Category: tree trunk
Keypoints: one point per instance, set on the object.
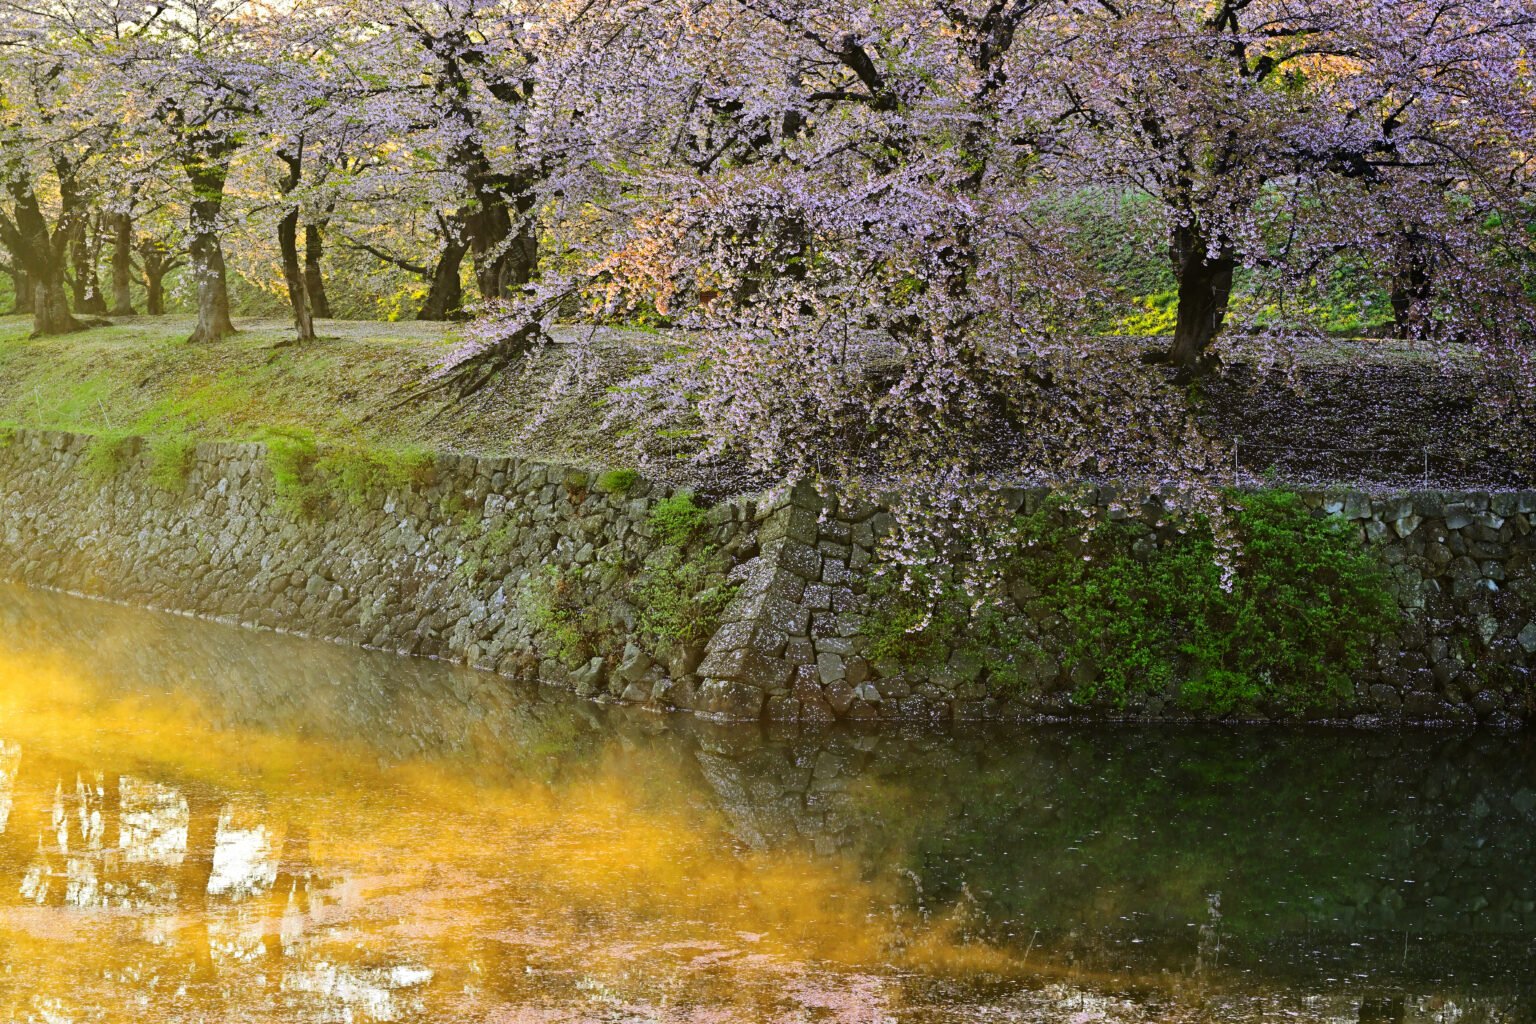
(288, 244)
(157, 261)
(122, 264)
(293, 275)
(1412, 287)
(1205, 285)
(505, 244)
(154, 285)
(41, 255)
(314, 278)
(213, 322)
(85, 247)
(207, 253)
(50, 308)
(206, 164)
(445, 293)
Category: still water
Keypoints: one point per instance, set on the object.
(203, 824)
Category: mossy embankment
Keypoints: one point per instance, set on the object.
(1373, 414)
(351, 389)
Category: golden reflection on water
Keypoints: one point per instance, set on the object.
(198, 824)
(159, 867)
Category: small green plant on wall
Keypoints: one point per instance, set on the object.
(682, 590)
(106, 455)
(170, 460)
(675, 519)
(555, 603)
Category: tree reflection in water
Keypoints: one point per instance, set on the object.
(205, 824)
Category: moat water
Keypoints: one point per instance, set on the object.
(199, 823)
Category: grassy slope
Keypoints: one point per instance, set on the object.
(141, 377)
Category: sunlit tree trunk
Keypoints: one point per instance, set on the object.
(122, 264)
(206, 250)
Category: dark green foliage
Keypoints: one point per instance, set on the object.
(680, 599)
(1139, 618)
(1295, 620)
(907, 630)
(676, 518)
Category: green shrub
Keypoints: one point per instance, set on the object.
(170, 460)
(680, 599)
(1292, 624)
(617, 481)
(555, 605)
(676, 519)
(105, 456)
(363, 473)
(291, 457)
(912, 630)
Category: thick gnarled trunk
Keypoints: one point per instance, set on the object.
(505, 242)
(41, 253)
(445, 289)
(50, 308)
(1205, 287)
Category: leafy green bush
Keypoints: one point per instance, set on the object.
(680, 599)
(1292, 624)
(555, 605)
(676, 519)
(170, 460)
(908, 630)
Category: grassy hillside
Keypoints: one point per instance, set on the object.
(141, 377)
(1355, 411)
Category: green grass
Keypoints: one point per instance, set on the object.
(336, 410)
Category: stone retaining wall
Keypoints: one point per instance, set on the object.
(444, 568)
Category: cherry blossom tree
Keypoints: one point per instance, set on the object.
(1256, 124)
